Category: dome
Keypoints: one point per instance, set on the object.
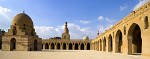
(86, 38)
(22, 19)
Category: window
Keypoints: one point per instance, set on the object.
(24, 25)
(14, 30)
(64, 37)
(24, 28)
(146, 22)
(124, 30)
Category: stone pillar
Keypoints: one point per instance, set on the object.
(94, 45)
(85, 46)
(55, 47)
(43, 46)
(129, 47)
(67, 46)
(102, 45)
(61, 46)
(107, 45)
(79, 46)
(114, 44)
(49, 46)
(98, 46)
(73, 46)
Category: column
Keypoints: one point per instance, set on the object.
(79, 46)
(55, 48)
(61, 46)
(85, 46)
(67, 46)
(43, 46)
(49, 46)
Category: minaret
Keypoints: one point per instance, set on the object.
(98, 33)
(66, 35)
(66, 28)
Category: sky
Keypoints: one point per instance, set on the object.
(84, 17)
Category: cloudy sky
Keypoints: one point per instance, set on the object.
(84, 17)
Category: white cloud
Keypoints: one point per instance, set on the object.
(76, 31)
(4, 12)
(84, 21)
(100, 18)
(47, 31)
(5, 18)
(141, 2)
(102, 28)
(123, 7)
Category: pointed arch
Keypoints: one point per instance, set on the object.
(58, 46)
(64, 46)
(52, 46)
(110, 44)
(88, 46)
(134, 39)
(82, 46)
(70, 46)
(46, 46)
(76, 46)
(35, 45)
(118, 42)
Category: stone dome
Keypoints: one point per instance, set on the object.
(86, 38)
(22, 19)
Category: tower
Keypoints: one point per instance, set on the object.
(98, 33)
(66, 35)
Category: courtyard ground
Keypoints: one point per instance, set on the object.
(65, 54)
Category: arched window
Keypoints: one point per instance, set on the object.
(124, 30)
(14, 30)
(146, 22)
(64, 37)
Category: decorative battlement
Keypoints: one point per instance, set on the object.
(131, 16)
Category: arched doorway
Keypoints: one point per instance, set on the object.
(88, 46)
(70, 46)
(42, 46)
(35, 45)
(100, 45)
(52, 45)
(64, 46)
(82, 46)
(118, 42)
(110, 45)
(12, 44)
(58, 46)
(134, 39)
(76, 46)
(46, 46)
(104, 44)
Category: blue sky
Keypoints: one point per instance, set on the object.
(85, 17)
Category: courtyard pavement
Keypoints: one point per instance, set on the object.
(65, 54)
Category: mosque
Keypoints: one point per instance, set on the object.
(129, 36)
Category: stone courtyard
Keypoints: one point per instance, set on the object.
(65, 54)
